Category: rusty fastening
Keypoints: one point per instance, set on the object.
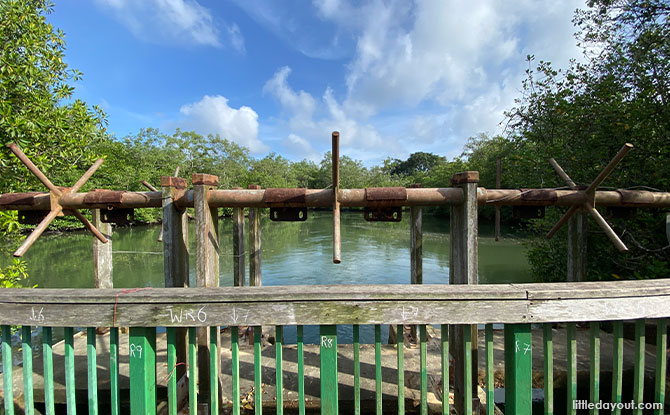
(286, 204)
(544, 196)
(32, 217)
(383, 195)
(383, 214)
(635, 197)
(104, 196)
(117, 216)
(528, 212)
(285, 196)
(288, 214)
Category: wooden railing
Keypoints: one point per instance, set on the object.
(454, 307)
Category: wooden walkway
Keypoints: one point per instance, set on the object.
(312, 378)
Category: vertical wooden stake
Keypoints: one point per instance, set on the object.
(463, 270)
(175, 255)
(102, 253)
(337, 245)
(206, 270)
(415, 250)
(577, 236)
(255, 275)
(498, 184)
(238, 245)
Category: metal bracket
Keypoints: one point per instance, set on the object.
(118, 216)
(528, 212)
(383, 214)
(590, 192)
(288, 214)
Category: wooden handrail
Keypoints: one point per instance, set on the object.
(338, 304)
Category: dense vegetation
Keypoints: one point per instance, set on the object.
(580, 115)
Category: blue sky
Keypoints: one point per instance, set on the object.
(394, 77)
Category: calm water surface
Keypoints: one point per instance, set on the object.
(294, 253)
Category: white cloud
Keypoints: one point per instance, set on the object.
(213, 115)
(300, 148)
(181, 21)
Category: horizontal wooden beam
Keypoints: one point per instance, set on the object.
(381, 304)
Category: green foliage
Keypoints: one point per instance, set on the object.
(13, 276)
(35, 91)
(583, 115)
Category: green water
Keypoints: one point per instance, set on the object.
(293, 253)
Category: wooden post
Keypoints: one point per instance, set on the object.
(328, 374)
(206, 270)
(255, 275)
(142, 356)
(463, 270)
(102, 253)
(175, 255)
(498, 184)
(577, 236)
(416, 249)
(337, 245)
(238, 245)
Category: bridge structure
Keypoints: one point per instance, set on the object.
(194, 316)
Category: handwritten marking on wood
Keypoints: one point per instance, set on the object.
(524, 347)
(409, 312)
(39, 316)
(326, 342)
(135, 350)
(240, 314)
(178, 317)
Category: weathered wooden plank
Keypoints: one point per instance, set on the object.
(255, 271)
(206, 271)
(102, 253)
(463, 270)
(577, 247)
(141, 314)
(416, 245)
(175, 240)
(238, 247)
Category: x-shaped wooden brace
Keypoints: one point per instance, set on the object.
(590, 203)
(55, 193)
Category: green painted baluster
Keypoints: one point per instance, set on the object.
(617, 364)
(301, 373)
(518, 369)
(357, 371)
(27, 370)
(638, 372)
(548, 369)
(192, 371)
(172, 370)
(213, 370)
(445, 368)
(424, 370)
(7, 381)
(47, 357)
(490, 401)
(114, 370)
(467, 369)
(235, 350)
(328, 352)
(142, 356)
(400, 350)
(572, 368)
(595, 365)
(92, 367)
(258, 385)
(378, 368)
(70, 387)
(661, 361)
(279, 385)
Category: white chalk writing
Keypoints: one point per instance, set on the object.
(326, 342)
